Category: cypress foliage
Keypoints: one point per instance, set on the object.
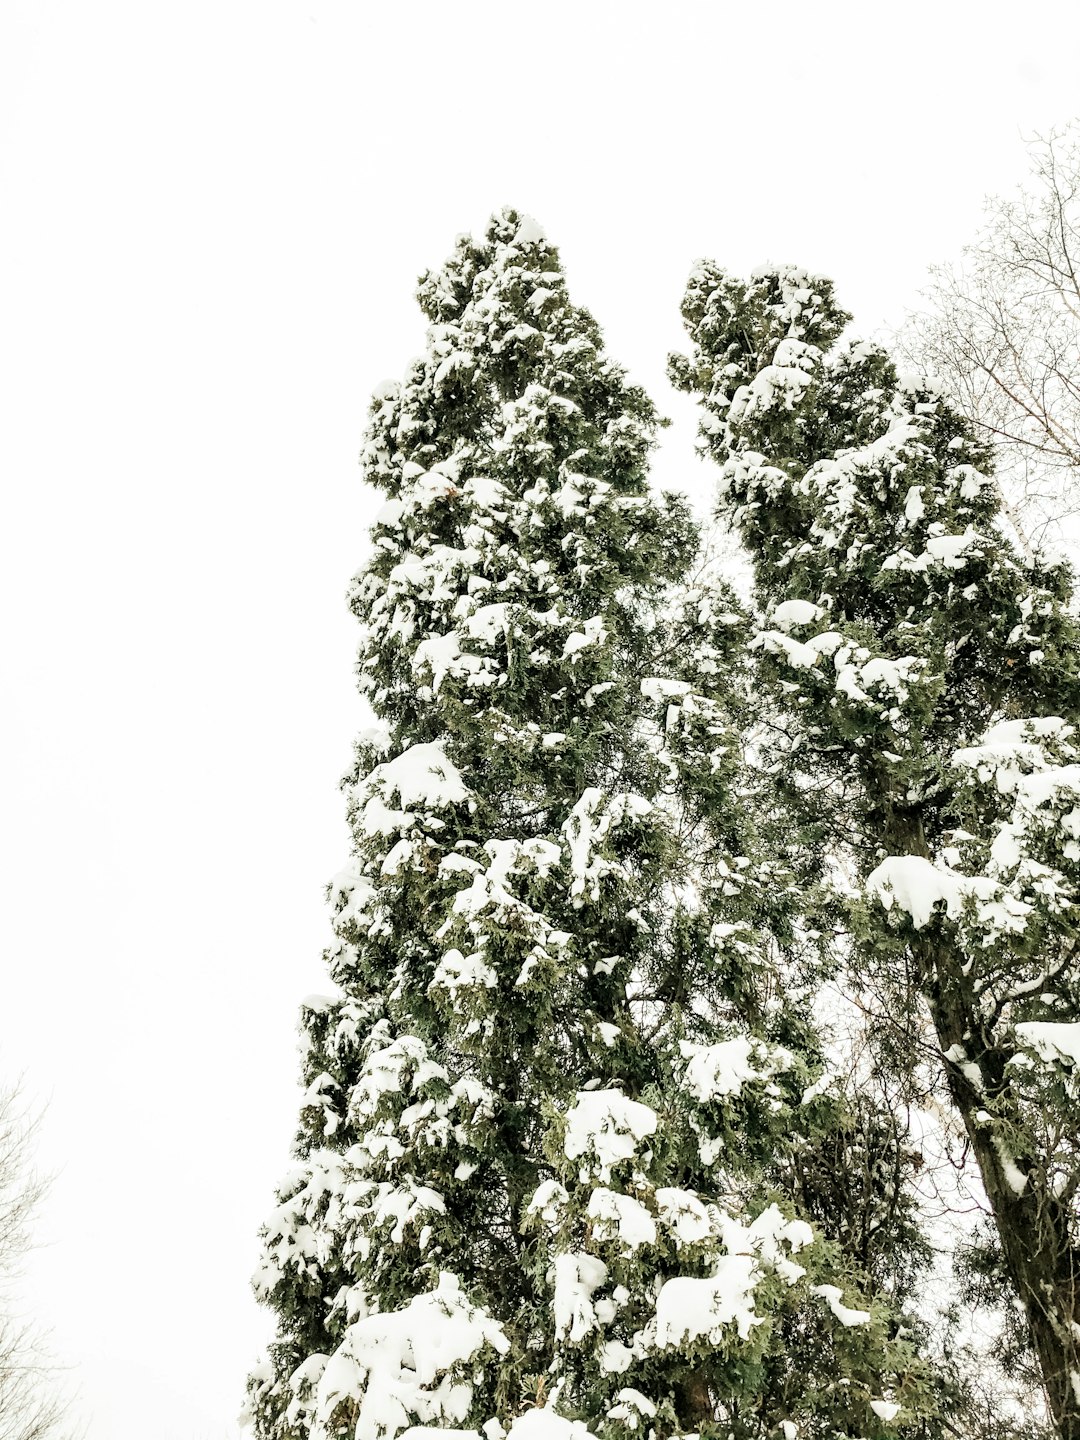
(532, 1182)
(927, 680)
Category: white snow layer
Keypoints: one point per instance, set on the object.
(949, 551)
(1010, 745)
(529, 232)
(631, 1407)
(1052, 1040)
(796, 612)
(855, 667)
(591, 633)
(658, 687)
(688, 1309)
(396, 1368)
(723, 1069)
(620, 1217)
(577, 1276)
(915, 885)
(544, 1424)
(606, 1127)
(586, 829)
(422, 775)
(831, 1295)
(885, 1409)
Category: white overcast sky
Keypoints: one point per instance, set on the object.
(212, 214)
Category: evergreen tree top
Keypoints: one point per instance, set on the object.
(864, 495)
(506, 351)
(515, 461)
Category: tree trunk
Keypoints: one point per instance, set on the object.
(693, 1402)
(1032, 1225)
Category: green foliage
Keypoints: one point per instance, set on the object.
(914, 662)
(553, 1144)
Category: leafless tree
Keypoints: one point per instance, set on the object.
(30, 1405)
(1002, 333)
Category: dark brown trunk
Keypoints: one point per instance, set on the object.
(1033, 1226)
(693, 1402)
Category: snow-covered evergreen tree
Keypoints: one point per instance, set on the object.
(529, 1187)
(926, 677)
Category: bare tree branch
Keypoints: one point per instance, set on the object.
(31, 1407)
(1001, 332)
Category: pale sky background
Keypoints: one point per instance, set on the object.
(212, 214)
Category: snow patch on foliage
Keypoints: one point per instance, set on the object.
(1011, 749)
(801, 654)
(713, 1071)
(422, 775)
(631, 1408)
(352, 896)
(620, 1217)
(605, 1128)
(1031, 761)
(294, 1238)
(456, 972)
(392, 1370)
(1014, 1177)
(387, 1071)
(951, 552)
(833, 1297)
(577, 1277)
(892, 675)
(914, 505)
(1047, 802)
(857, 671)
(659, 687)
(437, 1432)
(529, 232)
(1052, 1040)
(886, 1410)
(685, 1216)
(549, 1202)
(915, 885)
(439, 654)
(779, 385)
(790, 613)
(399, 1206)
(690, 1308)
(489, 896)
(591, 633)
(836, 479)
(544, 1424)
(595, 817)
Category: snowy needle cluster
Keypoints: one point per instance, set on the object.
(579, 1154)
